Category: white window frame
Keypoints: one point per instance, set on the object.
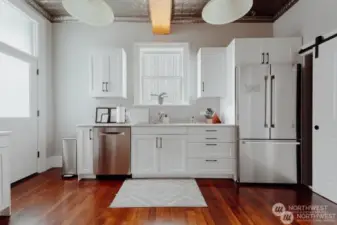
(140, 47)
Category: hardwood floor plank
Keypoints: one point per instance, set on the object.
(46, 199)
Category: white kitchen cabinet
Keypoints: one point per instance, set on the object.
(172, 154)
(158, 155)
(211, 72)
(144, 155)
(5, 191)
(85, 148)
(266, 50)
(108, 74)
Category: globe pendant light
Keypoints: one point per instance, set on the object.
(92, 12)
(219, 12)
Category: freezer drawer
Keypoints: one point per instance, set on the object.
(268, 162)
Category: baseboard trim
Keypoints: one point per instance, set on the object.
(54, 162)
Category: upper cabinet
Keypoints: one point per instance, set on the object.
(266, 50)
(108, 77)
(211, 72)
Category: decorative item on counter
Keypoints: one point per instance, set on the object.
(216, 119)
(192, 120)
(113, 115)
(102, 115)
(166, 119)
(209, 115)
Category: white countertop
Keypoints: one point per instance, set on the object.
(153, 125)
(5, 133)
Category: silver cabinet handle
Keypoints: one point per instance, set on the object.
(271, 100)
(111, 133)
(157, 142)
(161, 142)
(211, 138)
(211, 160)
(211, 130)
(265, 101)
(103, 83)
(203, 86)
(106, 87)
(267, 54)
(262, 58)
(90, 134)
(211, 144)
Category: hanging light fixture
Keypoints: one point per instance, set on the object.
(225, 11)
(92, 12)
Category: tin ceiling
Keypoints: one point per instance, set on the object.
(184, 11)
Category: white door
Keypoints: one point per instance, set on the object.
(253, 113)
(99, 70)
(283, 101)
(268, 162)
(85, 148)
(144, 154)
(18, 113)
(325, 121)
(211, 72)
(172, 154)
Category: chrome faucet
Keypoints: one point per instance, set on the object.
(161, 97)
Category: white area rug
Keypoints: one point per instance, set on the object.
(159, 193)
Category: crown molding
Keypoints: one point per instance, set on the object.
(39, 9)
(284, 9)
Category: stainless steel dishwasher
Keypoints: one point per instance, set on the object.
(112, 150)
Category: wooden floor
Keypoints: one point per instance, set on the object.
(46, 199)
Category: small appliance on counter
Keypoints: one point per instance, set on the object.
(120, 114)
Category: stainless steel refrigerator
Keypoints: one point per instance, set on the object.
(266, 107)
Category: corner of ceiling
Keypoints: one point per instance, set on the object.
(39, 9)
(284, 9)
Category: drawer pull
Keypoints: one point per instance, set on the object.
(211, 130)
(211, 144)
(211, 138)
(211, 160)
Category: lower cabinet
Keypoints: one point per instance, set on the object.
(85, 148)
(156, 155)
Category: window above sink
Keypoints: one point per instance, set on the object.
(161, 68)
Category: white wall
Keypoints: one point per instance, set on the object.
(72, 44)
(308, 19)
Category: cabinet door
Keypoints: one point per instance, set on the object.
(116, 77)
(211, 72)
(99, 73)
(172, 150)
(282, 50)
(249, 51)
(144, 154)
(108, 74)
(85, 147)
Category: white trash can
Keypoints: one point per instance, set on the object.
(69, 155)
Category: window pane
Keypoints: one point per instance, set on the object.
(16, 28)
(14, 87)
(165, 64)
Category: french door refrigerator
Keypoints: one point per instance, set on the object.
(266, 116)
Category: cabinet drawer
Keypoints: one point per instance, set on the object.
(210, 165)
(159, 130)
(4, 141)
(211, 138)
(209, 150)
(206, 130)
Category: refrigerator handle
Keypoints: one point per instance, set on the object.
(265, 101)
(272, 81)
